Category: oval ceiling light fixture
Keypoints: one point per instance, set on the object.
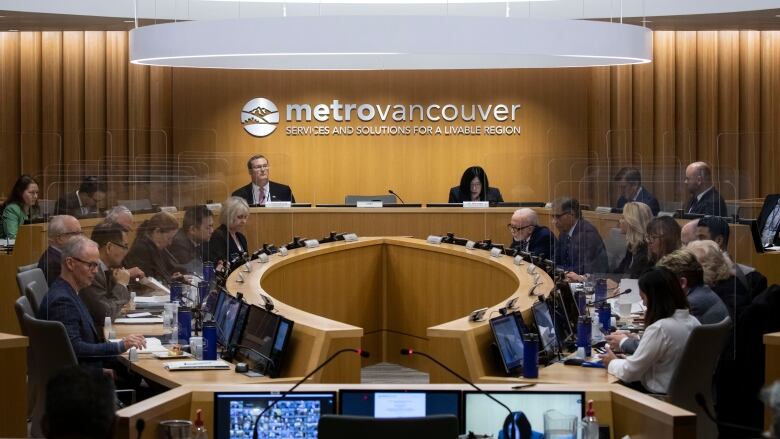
(389, 43)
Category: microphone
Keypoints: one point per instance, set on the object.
(140, 424)
(234, 347)
(390, 191)
(360, 352)
(409, 352)
(598, 302)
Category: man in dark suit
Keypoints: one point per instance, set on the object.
(83, 202)
(262, 190)
(529, 236)
(629, 181)
(80, 261)
(61, 229)
(108, 292)
(705, 199)
(769, 220)
(190, 244)
(580, 249)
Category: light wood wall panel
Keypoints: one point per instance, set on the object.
(77, 105)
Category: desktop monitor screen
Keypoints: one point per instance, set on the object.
(483, 416)
(548, 337)
(296, 415)
(564, 325)
(400, 403)
(508, 334)
(264, 335)
(225, 314)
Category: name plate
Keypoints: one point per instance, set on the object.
(350, 237)
(311, 243)
(279, 204)
(476, 204)
(496, 252)
(169, 209)
(433, 239)
(214, 206)
(369, 204)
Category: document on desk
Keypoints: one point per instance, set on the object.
(152, 299)
(155, 284)
(139, 320)
(197, 365)
(153, 345)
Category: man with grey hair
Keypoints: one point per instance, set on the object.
(705, 199)
(61, 229)
(261, 189)
(529, 236)
(80, 261)
(689, 231)
(122, 216)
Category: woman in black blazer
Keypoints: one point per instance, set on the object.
(227, 242)
(474, 186)
(636, 217)
(150, 253)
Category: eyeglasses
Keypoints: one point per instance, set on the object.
(260, 167)
(71, 233)
(514, 229)
(91, 265)
(557, 216)
(476, 184)
(119, 244)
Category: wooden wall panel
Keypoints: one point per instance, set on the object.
(73, 104)
(711, 96)
(9, 109)
(30, 94)
(95, 107)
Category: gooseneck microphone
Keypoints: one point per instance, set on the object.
(235, 347)
(598, 302)
(390, 191)
(360, 352)
(410, 352)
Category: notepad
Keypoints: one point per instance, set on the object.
(197, 365)
(153, 345)
(152, 299)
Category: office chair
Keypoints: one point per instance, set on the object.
(50, 351)
(695, 371)
(22, 307)
(23, 268)
(32, 283)
(347, 427)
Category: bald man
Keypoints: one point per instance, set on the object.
(705, 199)
(529, 236)
(689, 232)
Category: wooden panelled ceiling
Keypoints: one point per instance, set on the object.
(768, 19)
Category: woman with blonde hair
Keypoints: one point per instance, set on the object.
(720, 275)
(227, 242)
(633, 224)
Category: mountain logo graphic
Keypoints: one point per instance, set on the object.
(259, 117)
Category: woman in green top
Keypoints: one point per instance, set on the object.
(20, 206)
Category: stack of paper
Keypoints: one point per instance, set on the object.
(197, 365)
(153, 344)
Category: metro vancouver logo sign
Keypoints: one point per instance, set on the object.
(260, 117)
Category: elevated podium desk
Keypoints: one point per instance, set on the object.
(626, 411)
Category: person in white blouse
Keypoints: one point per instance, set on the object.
(668, 326)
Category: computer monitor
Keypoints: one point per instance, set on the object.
(484, 417)
(263, 332)
(296, 415)
(564, 325)
(399, 403)
(225, 313)
(548, 336)
(508, 335)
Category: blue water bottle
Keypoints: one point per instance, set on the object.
(176, 290)
(583, 333)
(582, 302)
(531, 356)
(185, 325)
(208, 271)
(605, 315)
(203, 291)
(209, 341)
(601, 290)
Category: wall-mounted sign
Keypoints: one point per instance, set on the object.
(260, 116)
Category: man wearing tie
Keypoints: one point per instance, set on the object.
(262, 190)
(705, 199)
(83, 202)
(629, 182)
(529, 236)
(108, 291)
(580, 249)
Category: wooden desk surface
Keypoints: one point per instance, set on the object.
(12, 341)
(559, 373)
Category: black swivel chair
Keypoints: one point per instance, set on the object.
(353, 427)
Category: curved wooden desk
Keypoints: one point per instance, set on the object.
(395, 289)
